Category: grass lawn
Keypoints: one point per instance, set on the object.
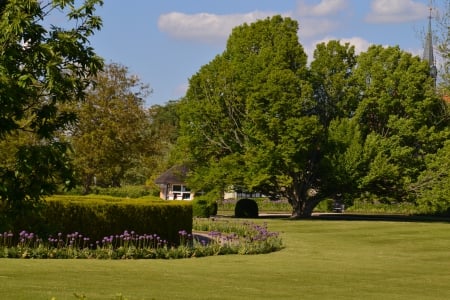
(323, 259)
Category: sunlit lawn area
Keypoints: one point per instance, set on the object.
(322, 260)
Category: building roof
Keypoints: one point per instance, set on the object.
(175, 175)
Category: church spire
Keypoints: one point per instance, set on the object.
(428, 51)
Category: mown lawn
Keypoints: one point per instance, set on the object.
(323, 259)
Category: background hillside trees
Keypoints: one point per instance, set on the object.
(111, 138)
(41, 68)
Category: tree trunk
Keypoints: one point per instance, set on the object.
(303, 205)
(302, 210)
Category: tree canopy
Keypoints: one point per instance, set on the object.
(258, 117)
(111, 137)
(41, 68)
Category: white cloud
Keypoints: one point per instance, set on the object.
(360, 44)
(396, 11)
(205, 27)
(310, 27)
(215, 29)
(324, 8)
(314, 19)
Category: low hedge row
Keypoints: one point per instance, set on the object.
(98, 217)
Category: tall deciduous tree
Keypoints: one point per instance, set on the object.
(246, 118)
(41, 67)
(111, 136)
(257, 116)
(401, 119)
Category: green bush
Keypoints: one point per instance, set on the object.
(99, 217)
(404, 208)
(325, 205)
(246, 208)
(203, 207)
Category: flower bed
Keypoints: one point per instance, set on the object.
(219, 237)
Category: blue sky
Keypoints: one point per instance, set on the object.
(166, 42)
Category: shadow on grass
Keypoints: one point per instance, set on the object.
(353, 217)
(361, 217)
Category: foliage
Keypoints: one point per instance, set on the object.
(374, 207)
(256, 116)
(246, 208)
(204, 207)
(97, 218)
(345, 125)
(401, 119)
(244, 238)
(125, 191)
(163, 128)
(264, 205)
(433, 185)
(111, 137)
(325, 205)
(41, 68)
(230, 110)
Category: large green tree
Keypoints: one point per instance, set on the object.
(111, 138)
(257, 116)
(247, 117)
(401, 119)
(41, 67)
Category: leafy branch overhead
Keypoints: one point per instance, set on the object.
(42, 66)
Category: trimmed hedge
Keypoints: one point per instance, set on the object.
(246, 208)
(100, 217)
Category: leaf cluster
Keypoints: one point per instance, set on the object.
(41, 68)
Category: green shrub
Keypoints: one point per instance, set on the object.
(246, 208)
(204, 207)
(325, 205)
(99, 217)
(404, 208)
